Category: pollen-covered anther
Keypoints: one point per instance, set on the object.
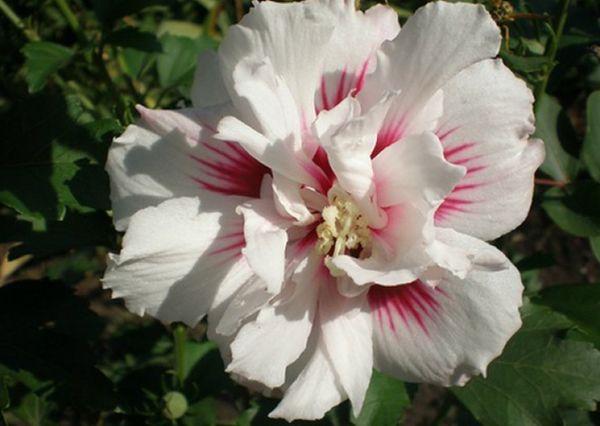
(344, 230)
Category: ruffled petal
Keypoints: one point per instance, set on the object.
(315, 390)
(293, 36)
(437, 42)
(180, 258)
(345, 70)
(347, 333)
(266, 238)
(172, 154)
(399, 249)
(286, 323)
(448, 333)
(415, 170)
(487, 120)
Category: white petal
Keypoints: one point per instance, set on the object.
(146, 169)
(208, 88)
(278, 155)
(288, 200)
(347, 334)
(172, 154)
(399, 249)
(266, 239)
(487, 121)
(436, 43)
(344, 69)
(446, 334)
(293, 37)
(414, 170)
(178, 258)
(264, 348)
(247, 300)
(314, 392)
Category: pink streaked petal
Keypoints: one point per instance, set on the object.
(334, 89)
(409, 303)
(226, 168)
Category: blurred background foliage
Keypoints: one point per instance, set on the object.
(71, 72)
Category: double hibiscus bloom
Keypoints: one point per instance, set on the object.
(326, 200)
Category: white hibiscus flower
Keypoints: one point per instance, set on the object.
(326, 199)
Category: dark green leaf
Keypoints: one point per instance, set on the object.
(550, 125)
(385, 402)
(595, 244)
(43, 331)
(44, 141)
(524, 64)
(177, 62)
(579, 303)
(194, 352)
(202, 413)
(43, 59)
(75, 231)
(591, 145)
(134, 38)
(537, 376)
(109, 10)
(575, 209)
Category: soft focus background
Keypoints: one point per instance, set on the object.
(71, 72)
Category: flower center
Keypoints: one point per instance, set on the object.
(344, 230)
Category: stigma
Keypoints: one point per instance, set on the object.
(344, 230)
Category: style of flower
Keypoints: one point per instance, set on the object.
(326, 200)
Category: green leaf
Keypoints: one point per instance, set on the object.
(43, 59)
(45, 142)
(537, 376)
(44, 330)
(575, 209)
(579, 303)
(134, 38)
(194, 352)
(75, 231)
(591, 146)
(202, 413)
(4, 396)
(524, 64)
(595, 244)
(108, 11)
(176, 65)
(180, 28)
(551, 124)
(385, 402)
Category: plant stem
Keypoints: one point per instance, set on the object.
(69, 15)
(30, 33)
(180, 336)
(553, 48)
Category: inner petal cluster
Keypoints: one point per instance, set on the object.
(344, 230)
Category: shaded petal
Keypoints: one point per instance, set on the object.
(415, 170)
(436, 43)
(315, 390)
(171, 154)
(399, 249)
(288, 200)
(208, 88)
(266, 238)
(286, 323)
(487, 120)
(345, 70)
(294, 38)
(447, 334)
(179, 258)
(277, 155)
(347, 334)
